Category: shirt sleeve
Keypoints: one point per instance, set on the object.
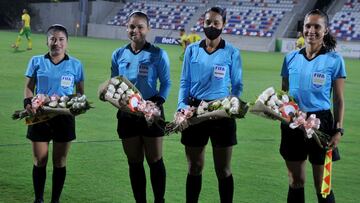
(184, 89)
(236, 74)
(81, 76)
(164, 74)
(31, 68)
(340, 71)
(114, 64)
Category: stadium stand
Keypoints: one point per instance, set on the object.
(187, 1)
(245, 17)
(252, 17)
(163, 14)
(346, 23)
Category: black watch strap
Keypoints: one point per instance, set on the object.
(340, 130)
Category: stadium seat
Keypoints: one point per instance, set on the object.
(163, 14)
(345, 24)
(252, 17)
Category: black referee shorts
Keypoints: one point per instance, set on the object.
(61, 128)
(130, 125)
(296, 147)
(222, 133)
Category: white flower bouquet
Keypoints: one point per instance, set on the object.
(228, 107)
(274, 105)
(278, 105)
(47, 107)
(122, 94)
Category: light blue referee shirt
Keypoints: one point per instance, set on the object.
(143, 69)
(51, 78)
(209, 76)
(310, 81)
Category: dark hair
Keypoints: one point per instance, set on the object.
(57, 27)
(329, 40)
(182, 29)
(218, 10)
(139, 14)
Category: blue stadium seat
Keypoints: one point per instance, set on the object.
(165, 14)
(345, 24)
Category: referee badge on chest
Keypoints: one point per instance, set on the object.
(67, 81)
(143, 70)
(318, 79)
(219, 71)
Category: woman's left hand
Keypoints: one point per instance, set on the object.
(335, 140)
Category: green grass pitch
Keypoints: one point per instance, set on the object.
(97, 166)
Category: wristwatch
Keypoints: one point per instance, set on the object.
(340, 130)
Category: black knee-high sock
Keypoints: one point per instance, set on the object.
(138, 181)
(58, 179)
(296, 195)
(226, 189)
(39, 177)
(158, 180)
(193, 188)
(329, 199)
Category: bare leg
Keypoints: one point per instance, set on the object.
(60, 153)
(195, 157)
(153, 153)
(134, 150)
(40, 158)
(296, 174)
(222, 161)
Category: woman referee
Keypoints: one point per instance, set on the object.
(143, 64)
(311, 75)
(60, 74)
(210, 67)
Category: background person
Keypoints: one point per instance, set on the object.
(300, 42)
(310, 75)
(143, 64)
(210, 67)
(193, 36)
(60, 74)
(183, 42)
(25, 30)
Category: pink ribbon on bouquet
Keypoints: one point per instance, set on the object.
(310, 124)
(38, 101)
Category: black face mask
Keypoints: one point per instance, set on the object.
(212, 33)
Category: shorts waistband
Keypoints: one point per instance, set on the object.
(196, 102)
(319, 112)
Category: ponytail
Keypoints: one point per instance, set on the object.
(329, 42)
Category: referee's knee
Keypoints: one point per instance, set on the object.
(223, 173)
(59, 162)
(297, 183)
(40, 162)
(195, 168)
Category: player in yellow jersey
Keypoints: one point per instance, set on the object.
(183, 42)
(193, 37)
(300, 42)
(25, 30)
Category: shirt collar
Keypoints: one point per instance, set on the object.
(49, 57)
(146, 47)
(220, 46)
(322, 51)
